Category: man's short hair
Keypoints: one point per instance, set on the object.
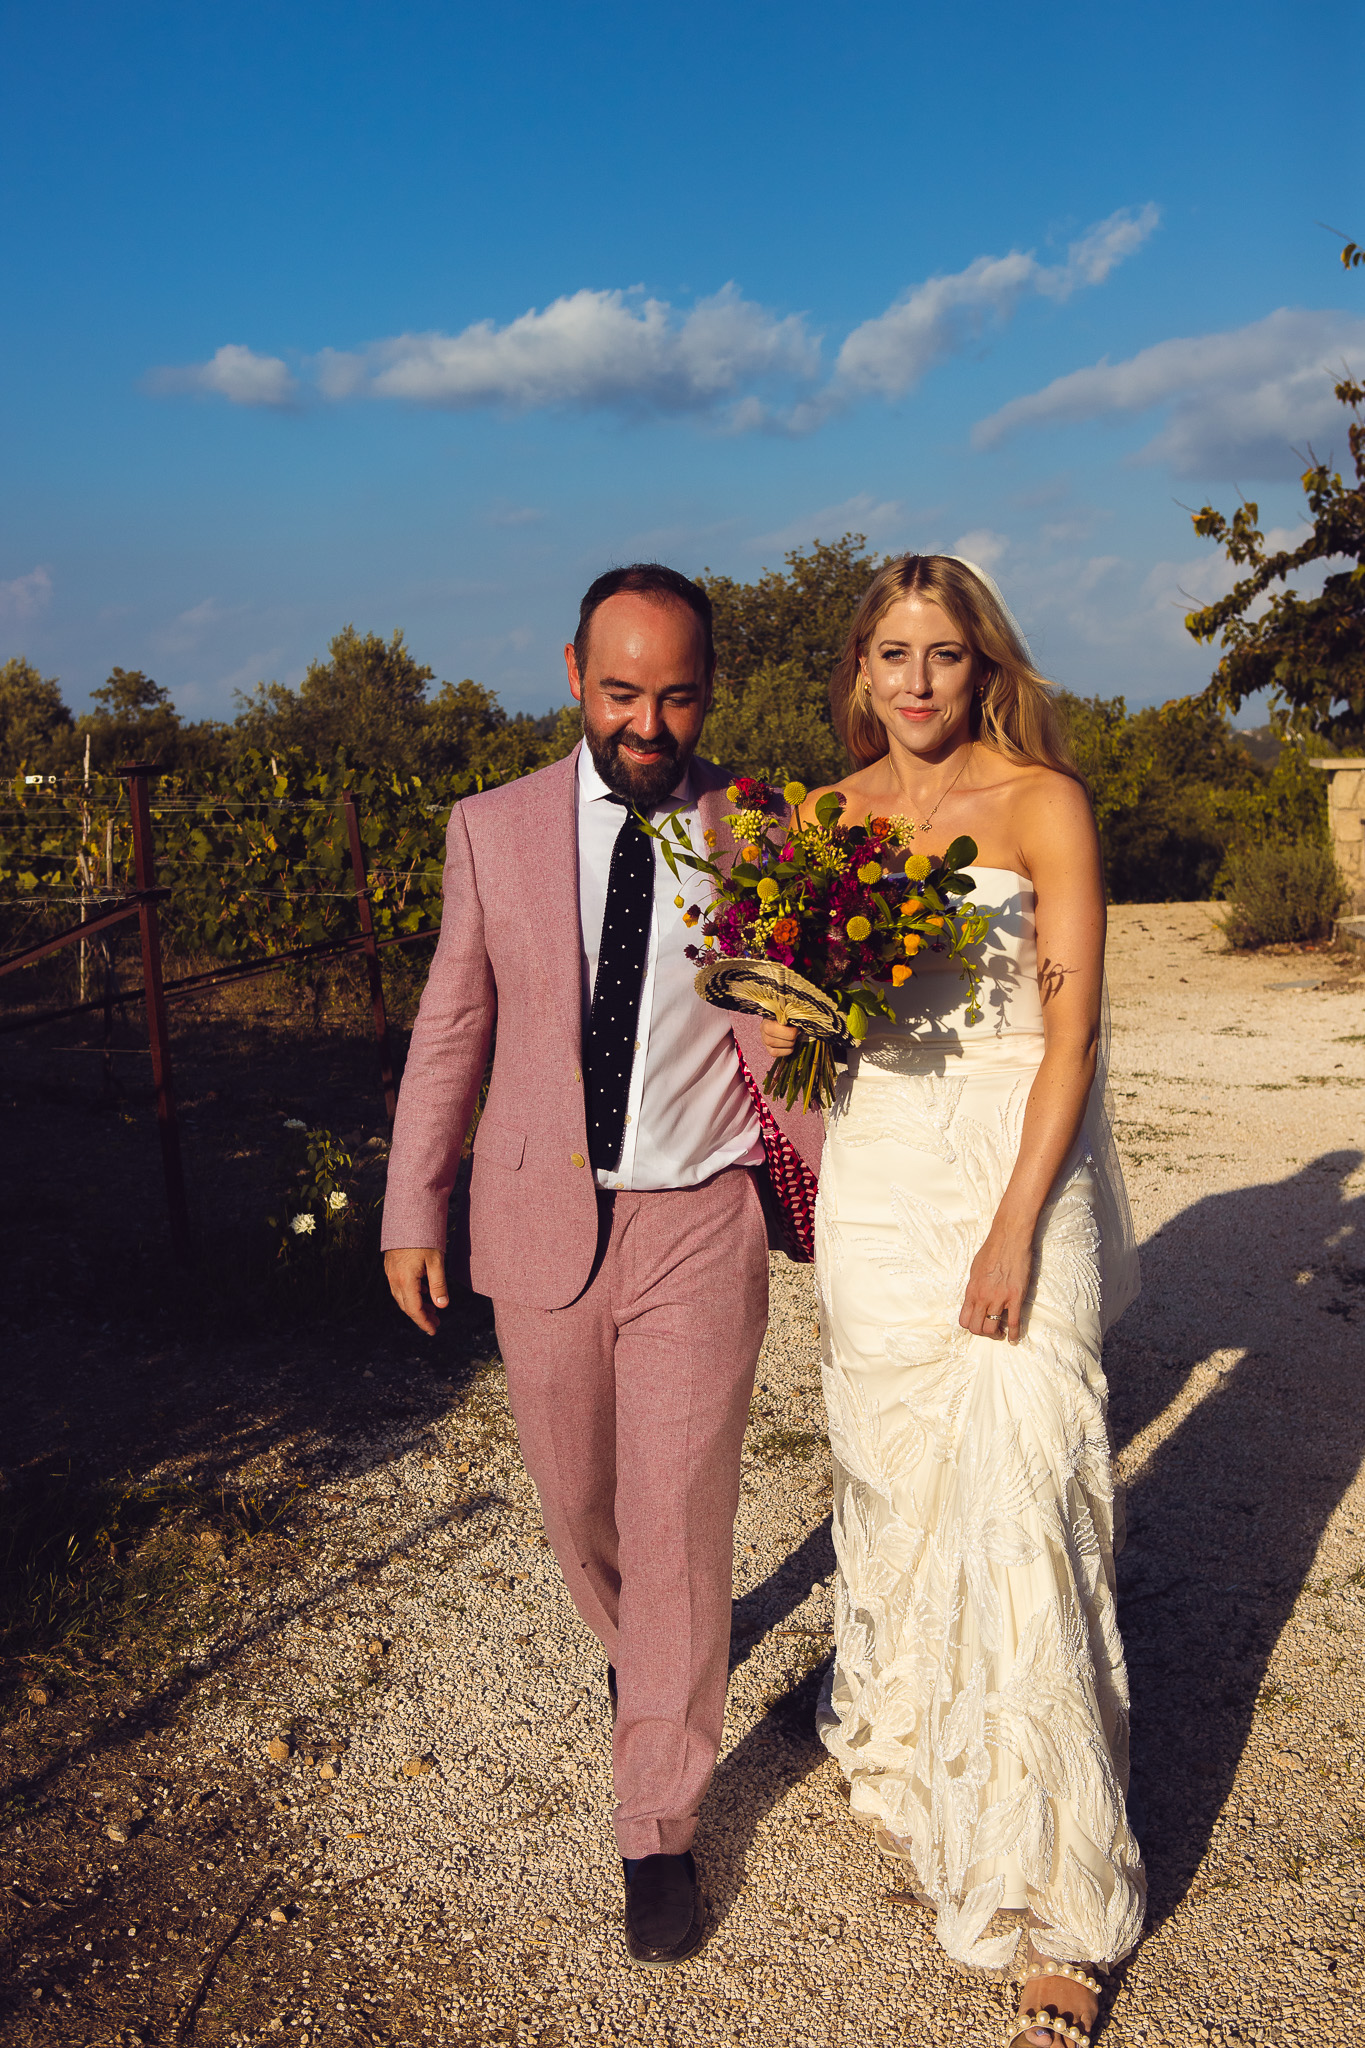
(647, 579)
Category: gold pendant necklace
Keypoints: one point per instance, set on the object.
(949, 790)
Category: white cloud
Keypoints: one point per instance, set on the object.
(982, 546)
(590, 350)
(882, 520)
(937, 319)
(188, 628)
(235, 373)
(1241, 402)
(23, 597)
(741, 365)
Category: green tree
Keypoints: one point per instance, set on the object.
(461, 721)
(467, 730)
(1309, 652)
(368, 697)
(776, 726)
(800, 615)
(1176, 792)
(135, 720)
(37, 730)
(777, 640)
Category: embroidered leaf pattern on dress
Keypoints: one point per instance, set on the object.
(979, 1700)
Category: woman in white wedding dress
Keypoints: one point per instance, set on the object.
(972, 1243)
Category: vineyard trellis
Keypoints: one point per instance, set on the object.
(263, 865)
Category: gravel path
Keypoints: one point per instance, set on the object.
(457, 1829)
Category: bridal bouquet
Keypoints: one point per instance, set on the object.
(813, 923)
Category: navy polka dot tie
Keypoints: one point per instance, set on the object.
(609, 1048)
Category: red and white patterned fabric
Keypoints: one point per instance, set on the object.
(793, 1183)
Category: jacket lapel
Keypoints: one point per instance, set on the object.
(554, 851)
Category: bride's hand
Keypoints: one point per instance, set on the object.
(779, 1039)
(997, 1284)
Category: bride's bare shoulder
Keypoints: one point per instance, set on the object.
(850, 788)
(1050, 806)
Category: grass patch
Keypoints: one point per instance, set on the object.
(116, 1574)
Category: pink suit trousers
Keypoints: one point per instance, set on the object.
(630, 1406)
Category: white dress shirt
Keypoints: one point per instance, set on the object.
(688, 1114)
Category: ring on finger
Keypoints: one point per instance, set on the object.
(995, 1316)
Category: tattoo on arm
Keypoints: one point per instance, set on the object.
(1052, 977)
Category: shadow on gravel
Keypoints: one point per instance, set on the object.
(1226, 1517)
(781, 1750)
(768, 1604)
(772, 1760)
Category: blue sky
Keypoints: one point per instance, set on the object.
(421, 315)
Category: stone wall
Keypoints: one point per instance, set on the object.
(1346, 818)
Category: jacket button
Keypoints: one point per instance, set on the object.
(577, 1159)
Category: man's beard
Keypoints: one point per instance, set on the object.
(646, 786)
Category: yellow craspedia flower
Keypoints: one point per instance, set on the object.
(732, 794)
(768, 891)
(900, 975)
(858, 928)
(751, 852)
(794, 792)
(870, 872)
(918, 866)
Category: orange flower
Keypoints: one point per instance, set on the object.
(881, 828)
(786, 931)
(934, 924)
(912, 905)
(900, 975)
(751, 852)
(912, 943)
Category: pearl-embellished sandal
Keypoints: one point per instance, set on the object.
(1061, 2029)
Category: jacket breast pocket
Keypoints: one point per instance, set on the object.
(496, 1145)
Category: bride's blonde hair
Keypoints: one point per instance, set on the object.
(1015, 712)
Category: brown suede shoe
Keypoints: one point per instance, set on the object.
(663, 1909)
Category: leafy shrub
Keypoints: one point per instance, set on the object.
(1175, 789)
(1281, 892)
(327, 1260)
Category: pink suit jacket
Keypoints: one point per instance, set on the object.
(510, 952)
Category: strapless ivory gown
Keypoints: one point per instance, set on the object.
(979, 1699)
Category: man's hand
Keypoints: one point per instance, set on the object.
(417, 1281)
(778, 1039)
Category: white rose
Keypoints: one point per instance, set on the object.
(303, 1224)
(336, 1200)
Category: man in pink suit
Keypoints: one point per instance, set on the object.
(617, 1201)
